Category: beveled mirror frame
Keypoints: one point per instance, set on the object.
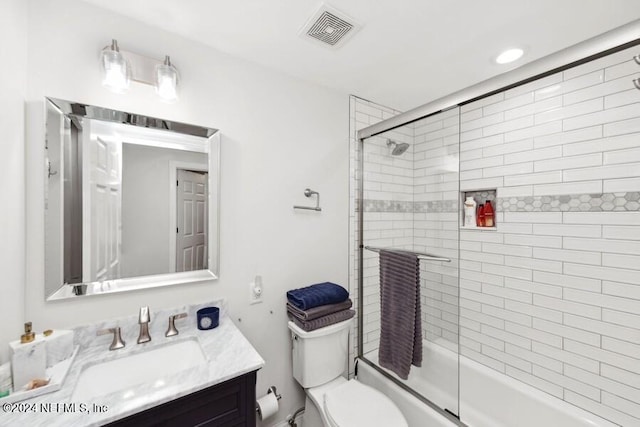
(210, 136)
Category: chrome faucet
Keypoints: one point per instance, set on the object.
(143, 321)
(117, 342)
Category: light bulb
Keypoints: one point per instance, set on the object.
(167, 81)
(509, 56)
(116, 72)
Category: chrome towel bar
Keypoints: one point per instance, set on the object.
(421, 255)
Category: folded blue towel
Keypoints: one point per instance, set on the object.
(317, 295)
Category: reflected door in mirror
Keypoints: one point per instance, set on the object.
(191, 237)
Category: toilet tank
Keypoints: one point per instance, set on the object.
(320, 356)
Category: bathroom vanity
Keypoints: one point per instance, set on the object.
(198, 377)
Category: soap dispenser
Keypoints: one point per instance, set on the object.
(28, 358)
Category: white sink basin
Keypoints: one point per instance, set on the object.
(141, 368)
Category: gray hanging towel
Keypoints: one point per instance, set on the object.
(400, 322)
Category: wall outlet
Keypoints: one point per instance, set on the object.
(255, 291)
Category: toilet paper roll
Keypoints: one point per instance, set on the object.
(267, 406)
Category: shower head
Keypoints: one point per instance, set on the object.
(397, 148)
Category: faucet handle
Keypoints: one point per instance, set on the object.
(117, 337)
(171, 331)
(145, 316)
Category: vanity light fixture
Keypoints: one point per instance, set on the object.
(116, 70)
(166, 81)
(119, 67)
(509, 55)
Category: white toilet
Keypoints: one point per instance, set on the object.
(319, 361)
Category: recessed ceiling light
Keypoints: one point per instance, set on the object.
(509, 55)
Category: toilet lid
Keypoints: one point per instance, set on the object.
(353, 404)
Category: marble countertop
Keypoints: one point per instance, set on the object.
(229, 354)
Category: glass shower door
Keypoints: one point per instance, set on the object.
(409, 200)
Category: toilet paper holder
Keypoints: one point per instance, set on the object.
(273, 390)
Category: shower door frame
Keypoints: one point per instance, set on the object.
(605, 44)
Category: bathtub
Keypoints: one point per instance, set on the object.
(487, 397)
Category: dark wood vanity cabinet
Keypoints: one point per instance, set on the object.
(229, 404)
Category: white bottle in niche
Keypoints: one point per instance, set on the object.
(470, 212)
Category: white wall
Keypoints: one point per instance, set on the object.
(280, 135)
(13, 57)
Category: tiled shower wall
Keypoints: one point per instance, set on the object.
(552, 298)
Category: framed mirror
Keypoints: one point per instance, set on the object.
(131, 201)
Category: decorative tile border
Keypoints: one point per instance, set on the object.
(602, 202)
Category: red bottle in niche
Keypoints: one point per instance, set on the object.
(480, 216)
(488, 215)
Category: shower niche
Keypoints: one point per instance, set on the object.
(479, 210)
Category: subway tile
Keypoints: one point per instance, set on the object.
(534, 108)
(534, 264)
(533, 217)
(481, 236)
(621, 289)
(482, 102)
(534, 334)
(599, 63)
(514, 228)
(508, 104)
(621, 185)
(534, 131)
(602, 410)
(482, 257)
(482, 318)
(622, 69)
(573, 162)
(629, 126)
(510, 360)
(507, 126)
(574, 358)
(482, 359)
(506, 171)
(565, 306)
(482, 122)
(470, 344)
(578, 187)
(485, 162)
(480, 184)
(483, 339)
(467, 116)
(567, 331)
(604, 218)
(575, 282)
(622, 376)
(507, 148)
(602, 328)
(577, 256)
(501, 270)
(603, 383)
(534, 287)
(567, 382)
(479, 142)
(576, 83)
(596, 91)
(532, 155)
(533, 240)
(623, 405)
(604, 245)
(536, 312)
(507, 315)
(620, 318)
(534, 85)
(471, 155)
(506, 293)
(534, 357)
(621, 98)
(602, 172)
(533, 178)
(622, 261)
(568, 111)
(601, 117)
(482, 298)
(519, 191)
(567, 138)
(603, 300)
(535, 381)
(570, 230)
(600, 145)
(627, 348)
(507, 249)
(621, 232)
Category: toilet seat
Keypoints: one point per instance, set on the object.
(353, 404)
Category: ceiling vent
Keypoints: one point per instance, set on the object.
(329, 26)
